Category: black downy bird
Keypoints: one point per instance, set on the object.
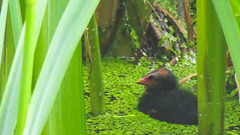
(163, 100)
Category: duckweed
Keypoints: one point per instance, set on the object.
(122, 94)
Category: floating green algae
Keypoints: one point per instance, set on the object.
(122, 94)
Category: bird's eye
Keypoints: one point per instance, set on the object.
(150, 77)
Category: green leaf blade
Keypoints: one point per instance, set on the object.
(63, 45)
(3, 19)
(16, 17)
(9, 103)
(230, 29)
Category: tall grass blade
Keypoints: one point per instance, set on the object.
(63, 45)
(9, 103)
(211, 48)
(66, 114)
(16, 17)
(55, 123)
(40, 53)
(235, 4)
(70, 100)
(40, 10)
(27, 69)
(7, 55)
(231, 30)
(95, 68)
(41, 38)
(3, 19)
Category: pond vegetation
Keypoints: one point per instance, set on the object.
(122, 95)
(54, 81)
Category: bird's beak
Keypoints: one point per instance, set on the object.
(141, 81)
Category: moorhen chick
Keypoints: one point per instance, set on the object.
(163, 100)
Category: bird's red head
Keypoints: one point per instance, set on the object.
(159, 79)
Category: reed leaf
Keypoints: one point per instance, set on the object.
(235, 4)
(16, 17)
(27, 68)
(211, 48)
(95, 70)
(3, 19)
(9, 102)
(68, 110)
(63, 45)
(231, 30)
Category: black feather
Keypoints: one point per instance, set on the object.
(166, 102)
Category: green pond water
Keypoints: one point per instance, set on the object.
(122, 94)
